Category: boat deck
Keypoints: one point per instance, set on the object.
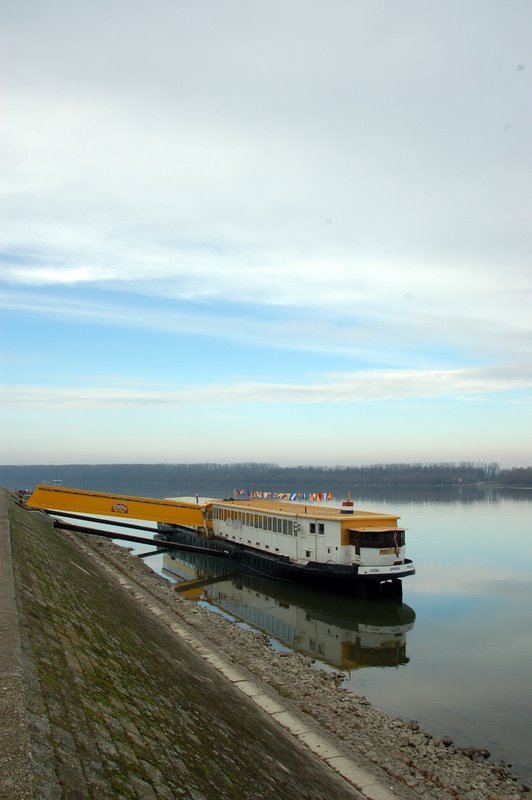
(311, 510)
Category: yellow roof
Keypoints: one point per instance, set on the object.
(312, 510)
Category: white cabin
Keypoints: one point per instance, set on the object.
(309, 532)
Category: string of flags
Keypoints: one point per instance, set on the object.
(312, 496)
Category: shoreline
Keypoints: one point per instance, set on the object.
(83, 672)
(399, 749)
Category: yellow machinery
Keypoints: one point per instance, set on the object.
(58, 498)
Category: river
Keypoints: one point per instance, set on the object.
(455, 655)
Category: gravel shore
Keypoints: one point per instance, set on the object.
(106, 696)
(400, 749)
(110, 690)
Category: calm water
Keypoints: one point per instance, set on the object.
(456, 655)
(469, 673)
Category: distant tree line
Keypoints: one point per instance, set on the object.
(517, 476)
(163, 480)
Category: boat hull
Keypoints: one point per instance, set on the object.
(364, 581)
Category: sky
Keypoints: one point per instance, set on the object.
(296, 232)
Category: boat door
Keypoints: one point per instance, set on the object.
(311, 545)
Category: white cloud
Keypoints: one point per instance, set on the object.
(363, 386)
(307, 154)
(358, 168)
(383, 333)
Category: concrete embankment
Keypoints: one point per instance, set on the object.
(113, 686)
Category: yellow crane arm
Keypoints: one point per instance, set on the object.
(59, 498)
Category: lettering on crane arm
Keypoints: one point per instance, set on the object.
(121, 507)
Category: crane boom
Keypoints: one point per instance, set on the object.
(59, 498)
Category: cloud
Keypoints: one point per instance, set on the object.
(375, 333)
(295, 144)
(363, 386)
(334, 163)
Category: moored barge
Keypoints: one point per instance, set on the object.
(336, 547)
(333, 547)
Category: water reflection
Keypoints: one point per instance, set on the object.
(342, 632)
(436, 495)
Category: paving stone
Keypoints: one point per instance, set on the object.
(142, 789)
(120, 706)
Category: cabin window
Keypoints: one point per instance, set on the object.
(307, 553)
(376, 540)
(321, 528)
(285, 526)
(269, 523)
(313, 527)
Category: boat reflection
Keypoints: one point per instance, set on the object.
(343, 632)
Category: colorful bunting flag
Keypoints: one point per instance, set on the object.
(292, 496)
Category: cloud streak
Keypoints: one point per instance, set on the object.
(360, 387)
(379, 332)
(261, 194)
(334, 174)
